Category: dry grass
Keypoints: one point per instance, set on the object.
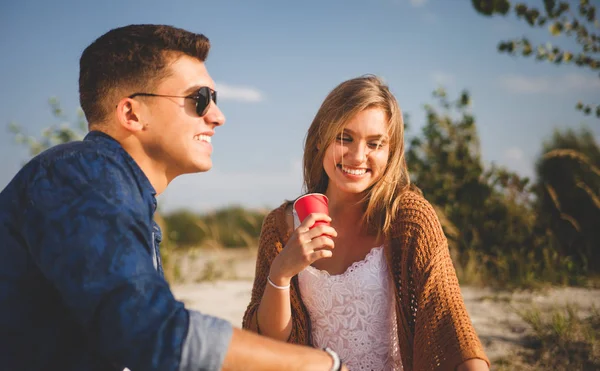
(563, 339)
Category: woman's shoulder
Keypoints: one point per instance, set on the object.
(415, 210)
(280, 219)
(413, 206)
(280, 210)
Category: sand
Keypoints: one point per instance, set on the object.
(495, 316)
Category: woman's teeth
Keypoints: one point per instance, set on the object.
(202, 138)
(354, 171)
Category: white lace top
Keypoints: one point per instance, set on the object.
(353, 313)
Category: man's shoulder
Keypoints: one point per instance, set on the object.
(42, 164)
(79, 153)
(78, 168)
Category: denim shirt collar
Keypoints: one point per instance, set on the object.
(112, 144)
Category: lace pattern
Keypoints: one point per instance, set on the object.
(353, 313)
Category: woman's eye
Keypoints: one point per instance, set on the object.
(344, 139)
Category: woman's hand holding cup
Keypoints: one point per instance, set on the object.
(311, 241)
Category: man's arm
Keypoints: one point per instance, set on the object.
(251, 352)
(90, 241)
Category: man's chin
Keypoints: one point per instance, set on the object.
(196, 168)
(204, 167)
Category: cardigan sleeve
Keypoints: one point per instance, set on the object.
(444, 335)
(271, 242)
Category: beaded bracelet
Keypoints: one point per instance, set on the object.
(276, 286)
(337, 363)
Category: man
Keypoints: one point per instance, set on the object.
(81, 285)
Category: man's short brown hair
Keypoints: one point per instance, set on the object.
(134, 57)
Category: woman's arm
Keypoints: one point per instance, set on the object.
(275, 311)
(473, 365)
(269, 311)
(270, 244)
(304, 246)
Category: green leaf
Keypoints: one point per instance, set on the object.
(541, 21)
(555, 28)
(562, 8)
(591, 15)
(502, 7)
(483, 7)
(465, 100)
(521, 9)
(550, 5)
(491, 7)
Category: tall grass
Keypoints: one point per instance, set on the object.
(224, 228)
(509, 268)
(559, 340)
(526, 269)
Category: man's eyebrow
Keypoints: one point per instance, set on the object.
(192, 89)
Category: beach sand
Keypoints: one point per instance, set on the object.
(226, 282)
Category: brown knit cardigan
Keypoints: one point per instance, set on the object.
(434, 329)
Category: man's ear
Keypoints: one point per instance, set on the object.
(129, 115)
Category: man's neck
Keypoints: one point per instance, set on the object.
(153, 170)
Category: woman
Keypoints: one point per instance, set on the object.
(377, 284)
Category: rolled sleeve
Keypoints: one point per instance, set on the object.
(206, 343)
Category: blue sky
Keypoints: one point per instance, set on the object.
(275, 61)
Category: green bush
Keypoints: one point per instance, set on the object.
(502, 230)
(229, 227)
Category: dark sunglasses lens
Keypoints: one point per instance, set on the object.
(203, 101)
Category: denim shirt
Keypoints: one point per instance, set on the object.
(81, 282)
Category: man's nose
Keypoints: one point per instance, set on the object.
(214, 116)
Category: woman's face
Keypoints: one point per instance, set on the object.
(359, 155)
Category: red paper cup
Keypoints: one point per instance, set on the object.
(312, 203)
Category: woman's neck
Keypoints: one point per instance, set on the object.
(345, 211)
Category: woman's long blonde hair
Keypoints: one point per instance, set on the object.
(381, 200)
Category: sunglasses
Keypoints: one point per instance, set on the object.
(202, 97)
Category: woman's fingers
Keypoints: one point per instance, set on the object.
(320, 230)
(319, 254)
(321, 242)
(309, 243)
(311, 219)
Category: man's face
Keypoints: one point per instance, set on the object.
(175, 137)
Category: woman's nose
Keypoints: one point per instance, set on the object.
(358, 153)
